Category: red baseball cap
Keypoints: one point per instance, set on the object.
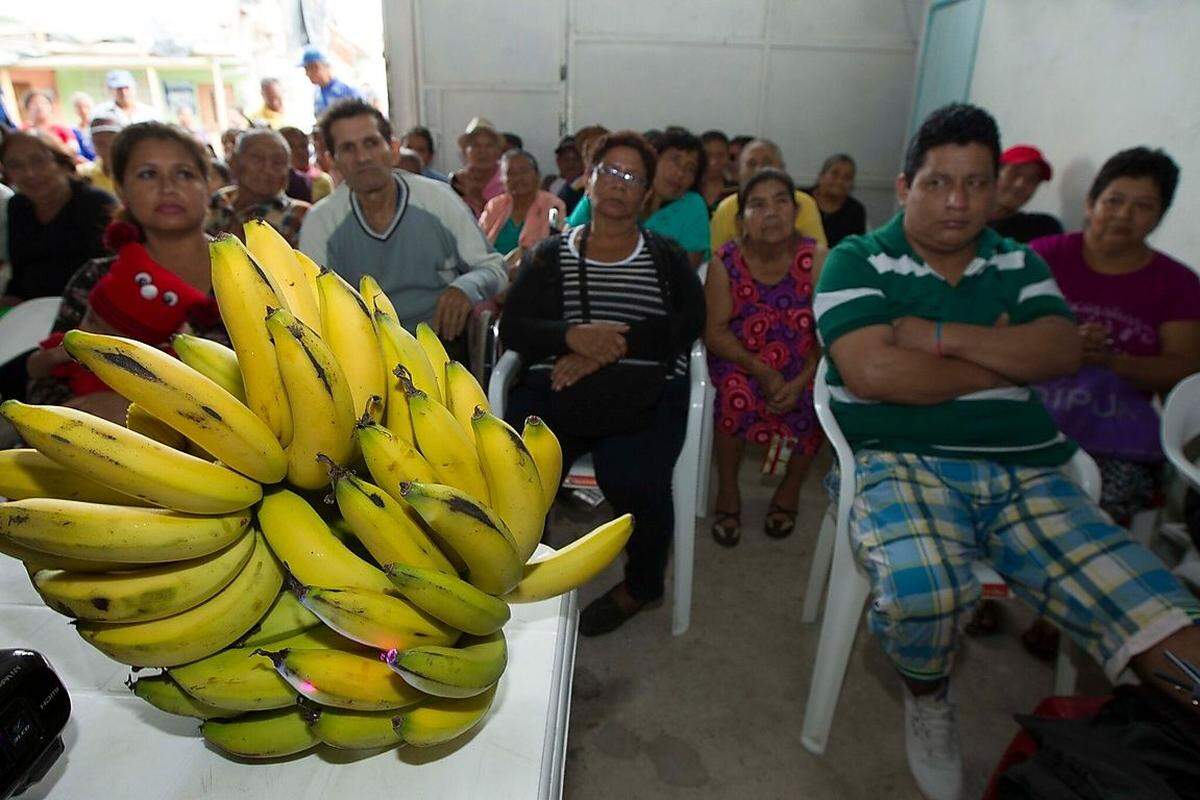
(1027, 154)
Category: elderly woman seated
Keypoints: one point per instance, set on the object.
(519, 218)
(603, 317)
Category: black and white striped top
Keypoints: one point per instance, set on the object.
(624, 291)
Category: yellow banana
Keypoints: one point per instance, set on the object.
(24, 472)
(266, 734)
(238, 680)
(350, 334)
(441, 719)
(319, 398)
(143, 594)
(355, 730)
(446, 446)
(165, 695)
(342, 679)
(547, 454)
(213, 360)
(409, 353)
(574, 565)
(463, 671)
(472, 531)
(375, 619)
(244, 295)
(374, 296)
(35, 560)
(391, 459)
(387, 527)
(310, 269)
(129, 534)
(450, 599)
(435, 351)
(141, 421)
(514, 483)
(185, 400)
(277, 258)
(197, 632)
(396, 415)
(464, 395)
(129, 462)
(285, 618)
(303, 542)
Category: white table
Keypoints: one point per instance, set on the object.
(118, 746)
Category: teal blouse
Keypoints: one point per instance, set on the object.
(685, 220)
(508, 238)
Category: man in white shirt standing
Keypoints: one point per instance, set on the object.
(124, 105)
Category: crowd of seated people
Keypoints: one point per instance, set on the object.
(972, 346)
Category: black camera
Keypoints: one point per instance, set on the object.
(34, 708)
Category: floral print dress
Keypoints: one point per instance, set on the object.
(775, 322)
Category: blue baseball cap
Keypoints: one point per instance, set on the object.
(119, 79)
(313, 55)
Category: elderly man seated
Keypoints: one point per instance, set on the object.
(260, 166)
(936, 326)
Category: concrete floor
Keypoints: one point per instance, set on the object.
(717, 712)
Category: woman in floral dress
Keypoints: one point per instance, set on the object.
(763, 349)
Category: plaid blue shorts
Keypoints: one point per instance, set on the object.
(918, 522)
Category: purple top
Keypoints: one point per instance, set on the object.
(1131, 306)
(1107, 415)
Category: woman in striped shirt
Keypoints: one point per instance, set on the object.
(603, 317)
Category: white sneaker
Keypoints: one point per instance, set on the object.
(931, 738)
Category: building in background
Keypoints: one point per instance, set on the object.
(198, 64)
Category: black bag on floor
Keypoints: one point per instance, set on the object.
(1140, 746)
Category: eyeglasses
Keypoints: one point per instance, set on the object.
(626, 179)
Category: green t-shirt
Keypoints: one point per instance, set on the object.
(876, 278)
(508, 238)
(685, 220)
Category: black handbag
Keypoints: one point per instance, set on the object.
(617, 398)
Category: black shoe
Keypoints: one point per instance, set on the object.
(604, 615)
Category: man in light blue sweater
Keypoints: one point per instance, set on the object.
(412, 234)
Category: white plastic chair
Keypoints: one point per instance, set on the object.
(689, 480)
(849, 587)
(27, 324)
(1181, 424)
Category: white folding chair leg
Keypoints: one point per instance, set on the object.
(683, 496)
(819, 571)
(1065, 673)
(848, 589)
(704, 479)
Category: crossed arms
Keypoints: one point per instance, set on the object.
(899, 363)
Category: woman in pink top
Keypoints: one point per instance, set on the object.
(1138, 311)
(520, 217)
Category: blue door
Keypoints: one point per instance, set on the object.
(947, 56)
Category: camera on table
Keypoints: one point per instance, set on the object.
(34, 708)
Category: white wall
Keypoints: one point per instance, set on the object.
(1082, 79)
(819, 76)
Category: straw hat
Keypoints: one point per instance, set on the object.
(477, 125)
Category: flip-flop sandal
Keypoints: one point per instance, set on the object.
(1041, 640)
(777, 528)
(725, 534)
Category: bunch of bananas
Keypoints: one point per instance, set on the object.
(199, 538)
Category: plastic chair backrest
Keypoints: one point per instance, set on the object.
(846, 465)
(1181, 424)
(27, 324)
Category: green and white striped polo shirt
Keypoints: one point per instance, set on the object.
(877, 278)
